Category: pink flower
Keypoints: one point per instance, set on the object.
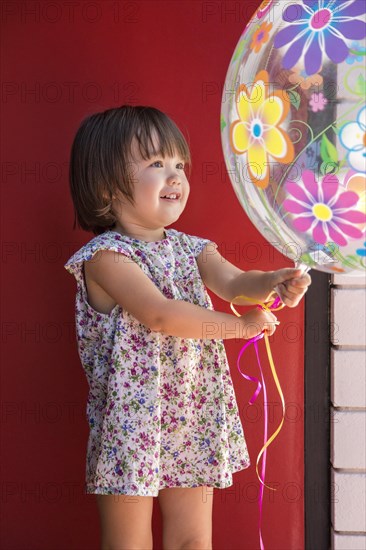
(317, 102)
(323, 209)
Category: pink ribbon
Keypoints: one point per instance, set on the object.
(261, 384)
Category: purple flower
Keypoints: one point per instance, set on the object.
(316, 29)
(323, 209)
(118, 470)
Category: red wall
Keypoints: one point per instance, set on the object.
(62, 61)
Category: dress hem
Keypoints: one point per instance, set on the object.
(91, 489)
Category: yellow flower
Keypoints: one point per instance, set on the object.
(257, 131)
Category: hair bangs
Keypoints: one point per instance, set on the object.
(157, 136)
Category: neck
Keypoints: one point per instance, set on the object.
(141, 233)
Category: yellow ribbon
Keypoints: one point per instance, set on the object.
(267, 307)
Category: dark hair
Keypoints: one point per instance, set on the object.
(100, 162)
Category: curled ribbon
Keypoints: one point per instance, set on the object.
(270, 305)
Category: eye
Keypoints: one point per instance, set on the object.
(157, 162)
(180, 165)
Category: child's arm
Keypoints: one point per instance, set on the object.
(128, 285)
(228, 281)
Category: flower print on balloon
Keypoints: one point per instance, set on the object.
(353, 137)
(257, 132)
(299, 76)
(317, 102)
(319, 30)
(264, 8)
(303, 112)
(329, 214)
(362, 251)
(260, 37)
(356, 181)
(324, 209)
(356, 54)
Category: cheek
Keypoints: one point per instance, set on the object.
(148, 188)
(187, 188)
(153, 184)
(151, 196)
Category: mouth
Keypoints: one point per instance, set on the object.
(171, 196)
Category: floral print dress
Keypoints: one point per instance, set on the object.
(161, 409)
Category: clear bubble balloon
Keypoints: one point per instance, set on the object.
(293, 126)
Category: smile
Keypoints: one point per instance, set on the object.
(171, 196)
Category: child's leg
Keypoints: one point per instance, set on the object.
(125, 522)
(187, 518)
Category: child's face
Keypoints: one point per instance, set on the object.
(160, 190)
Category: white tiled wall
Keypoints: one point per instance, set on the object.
(348, 426)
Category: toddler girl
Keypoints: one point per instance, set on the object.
(161, 408)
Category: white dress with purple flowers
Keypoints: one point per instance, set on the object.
(162, 410)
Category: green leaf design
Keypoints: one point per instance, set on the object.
(328, 152)
(358, 52)
(295, 98)
(239, 49)
(307, 259)
(360, 88)
(222, 123)
(332, 248)
(351, 261)
(329, 167)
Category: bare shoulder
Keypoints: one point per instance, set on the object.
(114, 278)
(98, 298)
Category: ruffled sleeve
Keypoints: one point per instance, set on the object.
(197, 244)
(101, 242)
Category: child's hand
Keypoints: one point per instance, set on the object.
(292, 285)
(257, 320)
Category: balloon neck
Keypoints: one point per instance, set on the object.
(304, 268)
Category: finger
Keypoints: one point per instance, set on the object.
(295, 290)
(290, 299)
(285, 291)
(275, 323)
(292, 302)
(303, 281)
(292, 294)
(270, 328)
(285, 274)
(291, 272)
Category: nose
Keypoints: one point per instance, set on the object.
(174, 179)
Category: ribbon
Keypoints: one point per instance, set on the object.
(270, 305)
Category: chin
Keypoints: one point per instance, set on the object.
(169, 220)
(173, 220)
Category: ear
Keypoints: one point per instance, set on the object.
(106, 196)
